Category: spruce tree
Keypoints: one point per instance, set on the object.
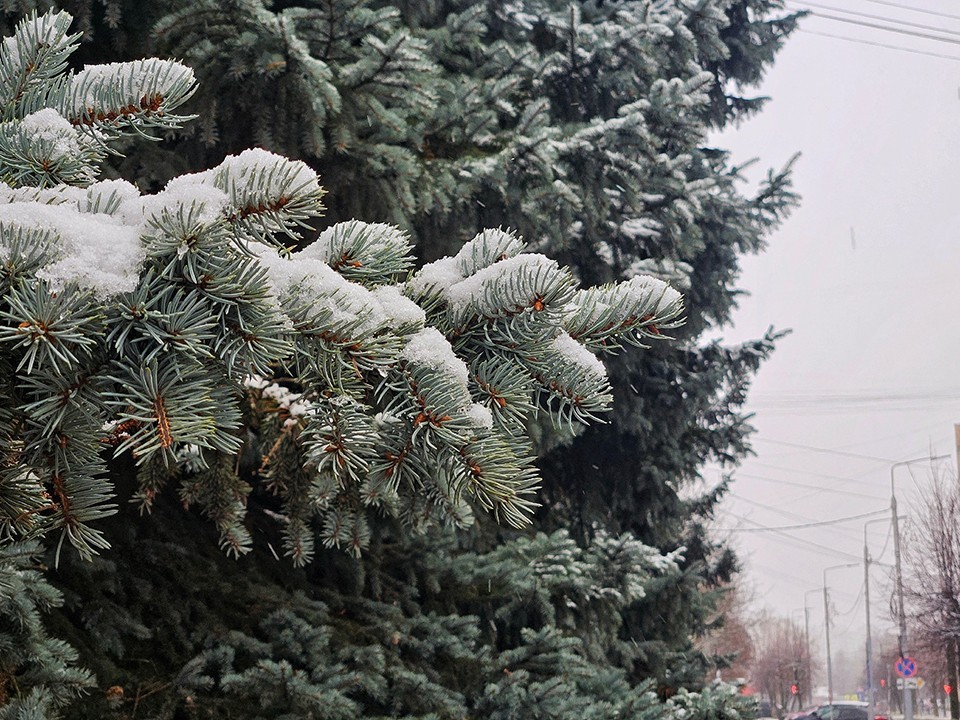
(38, 672)
(175, 338)
(150, 323)
(585, 127)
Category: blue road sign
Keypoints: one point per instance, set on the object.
(906, 667)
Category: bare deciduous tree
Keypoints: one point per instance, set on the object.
(781, 659)
(728, 643)
(932, 583)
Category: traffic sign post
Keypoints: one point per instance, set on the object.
(906, 667)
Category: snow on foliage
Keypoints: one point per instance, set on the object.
(257, 169)
(304, 278)
(399, 309)
(32, 33)
(380, 386)
(578, 355)
(430, 348)
(641, 287)
(438, 276)
(54, 131)
(499, 281)
(141, 83)
(95, 251)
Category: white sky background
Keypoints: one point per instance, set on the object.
(871, 367)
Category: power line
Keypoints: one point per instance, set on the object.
(803, 526)
(856, 604)
(858, 402)
(887, 28)
(800, 542)
(797, 582)
(863, 396)
(857, 407)
(828, 451)
(887, 3)
(914, 478)
(787, 514)
(886, 541)
(766, 570)
(772, 508)
(853, 607)
(897, 434)
(869, 16)
(850, 402)
(856, 480)
(928, 407)
(806, 486)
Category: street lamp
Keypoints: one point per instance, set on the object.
(907, 695)
(826, 624)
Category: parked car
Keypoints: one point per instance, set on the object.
(838, 710)
(842, 711)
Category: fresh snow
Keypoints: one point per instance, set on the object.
(636, 228)
(379, 238)
(513, 11)
(205, 201)
(480, 416)
(474, 288)
(676, 272)
(49, 126)
(295, 405)
(399, 309)
(110, 196)
(576, 354)
(96, 251)
(42, 29)
(644, 286)
(431, 349)
(437, 276)
(256, 170)
(59, 195)
(138, 79)
(487, 247)
(307, 279)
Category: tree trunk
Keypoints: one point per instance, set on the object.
(952, 678)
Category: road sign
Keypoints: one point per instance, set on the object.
(913, 683)
(906, 667)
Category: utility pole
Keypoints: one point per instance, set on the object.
(954, 699)
(902, 611)
(956, 434)
(826, 625)
(871, 690)
(866, 603)
(806, 633)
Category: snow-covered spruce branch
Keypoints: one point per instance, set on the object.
(56, 124)
(328, 383)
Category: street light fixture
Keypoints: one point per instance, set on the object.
(907, 695)
(826, 624)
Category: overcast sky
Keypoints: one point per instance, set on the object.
(865, 274)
